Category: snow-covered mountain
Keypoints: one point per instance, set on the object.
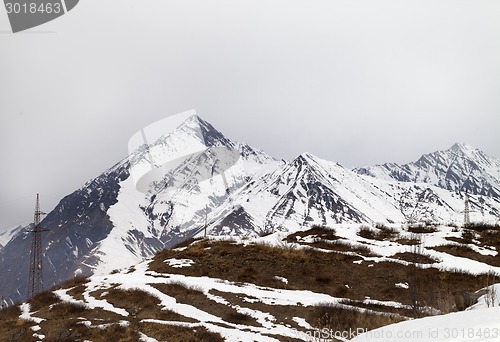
(109, 224)
(199, 182)
(308, 190)
(8, 234)
(460, 168)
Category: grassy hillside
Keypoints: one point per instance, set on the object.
(278, 287)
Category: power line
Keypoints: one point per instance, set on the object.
(36, 272)
(466, 210)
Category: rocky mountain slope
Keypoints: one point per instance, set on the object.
(194, 181)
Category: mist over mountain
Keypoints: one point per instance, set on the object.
(115, 220)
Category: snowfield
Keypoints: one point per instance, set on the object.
(474, 325)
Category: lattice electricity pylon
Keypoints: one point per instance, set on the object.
(36, 272)
(466, 210)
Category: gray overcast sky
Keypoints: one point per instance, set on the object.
(357, 82)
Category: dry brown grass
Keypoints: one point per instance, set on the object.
(482, 226)
(317, 271)
(43, 299)
(10, 313)
(188, 295)
(411, 241)
(11, 327)
(74, 330)
(325, 233)
(346, 246)
(378, 307)
(304, 268)
(185, 243)
(422, 228)
(339, 245)
(337, 318)
(141, 305)
(163, 332)
(78, 280)
(380, 233)
(466, 252)
(415, 258)
(481, 234)
(67, 309)
(16, 330)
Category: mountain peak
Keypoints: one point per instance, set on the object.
(459, 151)
(305, 158)
(460, 167)
(462, 148)
(203, 130)
(475, 155)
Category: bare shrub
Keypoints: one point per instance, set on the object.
(344, 245)
(74, 282)
(43, 299)
(482, 226)
(417, 258)
(491, 295)
(163, 332)
(387, 233)
(69, 308)
(381, 233)
(416, 289)
(237, 317)
(334, 316)
(185, 243)
(322, 232)
(422, 229)
(186, 286)
(468, 236)
(467, 252)
(122, 333)
(418, 246)
(10, 313)
(367, 232)
(137, 302)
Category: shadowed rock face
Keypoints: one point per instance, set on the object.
(74, 227)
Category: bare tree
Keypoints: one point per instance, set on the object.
(491, 293)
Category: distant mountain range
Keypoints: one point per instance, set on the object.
(109, 224)
(460, 168)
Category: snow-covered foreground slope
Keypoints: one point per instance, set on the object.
(479, 323)
(196, 286)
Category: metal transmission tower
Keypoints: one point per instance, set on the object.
(466, 210)
(36, 274)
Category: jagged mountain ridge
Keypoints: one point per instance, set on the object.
(461, 168)
(308, 190)
(109, 224)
